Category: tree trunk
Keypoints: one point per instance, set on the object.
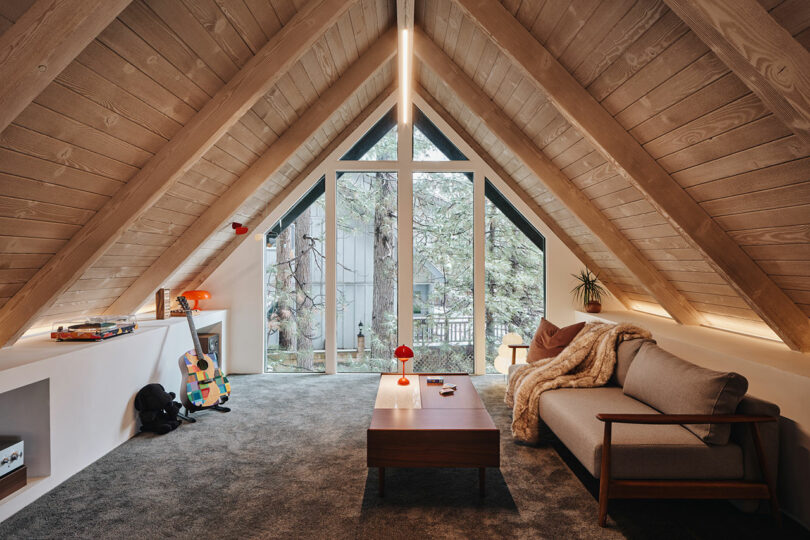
(283, 301)
(383, 316)
(303, 299)
(489, 328)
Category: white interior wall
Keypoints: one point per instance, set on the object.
(85, 408)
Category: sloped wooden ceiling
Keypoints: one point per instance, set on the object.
(129, 92)
(694, 116)
(161, 61)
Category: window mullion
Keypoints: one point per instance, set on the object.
(405, 236)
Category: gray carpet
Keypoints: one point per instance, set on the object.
(289, 462)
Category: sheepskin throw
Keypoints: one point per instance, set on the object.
(588, 361)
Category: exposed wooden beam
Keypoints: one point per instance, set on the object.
(254, 80)
(760, 51)
(271, 161)
(541, 214)
(44, 40)
(511, 135)
(292, 186)
(620, 148)
(405, 10)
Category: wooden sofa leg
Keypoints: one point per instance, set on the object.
(604, 476)
(763, 467)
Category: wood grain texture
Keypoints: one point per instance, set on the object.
(276, 156)
(477, 101)
(273, 203)
(157, 176)
(619, 147)
(550, 222)
(760, 51)
(43, 41)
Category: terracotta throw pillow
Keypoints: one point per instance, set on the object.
(550, 341)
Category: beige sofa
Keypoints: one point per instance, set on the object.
(655, 455)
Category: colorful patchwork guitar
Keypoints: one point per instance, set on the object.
(206, 385)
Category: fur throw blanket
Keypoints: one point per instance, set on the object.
(586, 362)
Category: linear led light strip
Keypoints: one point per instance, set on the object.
(405, 52)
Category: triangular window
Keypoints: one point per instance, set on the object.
(379, 143)
(429, 143)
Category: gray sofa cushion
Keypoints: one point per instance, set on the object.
(674, 386)
(638, 451)
(625, 353)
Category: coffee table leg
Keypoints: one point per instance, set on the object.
(482, 481)
(381, 475)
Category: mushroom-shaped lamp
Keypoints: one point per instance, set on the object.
(403, 354)
(197, 296)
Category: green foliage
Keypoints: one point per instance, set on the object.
(588, 290)
(442, 257)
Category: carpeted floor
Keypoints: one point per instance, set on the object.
(289, 462)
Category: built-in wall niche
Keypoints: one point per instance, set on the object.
(25, 412)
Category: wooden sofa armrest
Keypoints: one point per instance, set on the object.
(605, 481)
(514, 351)
(683, 418)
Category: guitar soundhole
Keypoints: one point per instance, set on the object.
(202, 363)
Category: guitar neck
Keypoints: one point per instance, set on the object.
(194, 336)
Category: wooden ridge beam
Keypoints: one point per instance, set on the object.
(292, 186)
(558, 184)
(759, 51)
(271, 161)
(597, 125)
(525, 197)
(43, 41)
(405, 19)
(229, 104)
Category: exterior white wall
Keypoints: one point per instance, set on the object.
(774, 373)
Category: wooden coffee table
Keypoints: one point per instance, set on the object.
(415, 426)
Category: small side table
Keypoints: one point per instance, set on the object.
(514, 351)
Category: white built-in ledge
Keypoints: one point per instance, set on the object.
(73, 401)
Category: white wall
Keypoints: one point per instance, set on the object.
(774, 373)
(91, 388)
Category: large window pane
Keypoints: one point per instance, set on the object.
(515, 290)
(379, 143)
(294, 263)
(443, 272)
(429, 143)
(366, 271)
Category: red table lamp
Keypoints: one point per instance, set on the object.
(403, 354)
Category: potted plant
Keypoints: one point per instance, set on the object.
(589, 292)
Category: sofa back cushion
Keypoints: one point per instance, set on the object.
(625, 353)
(549, 340)
(674, 386)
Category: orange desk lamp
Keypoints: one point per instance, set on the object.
(403, 354)
(197, 296)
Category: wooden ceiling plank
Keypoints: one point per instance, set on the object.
(558, 184)
(147, 187)
(760, 51)
(291, 186)
(211, 220)
(43, 41)
(605, 133)
(524, 196)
